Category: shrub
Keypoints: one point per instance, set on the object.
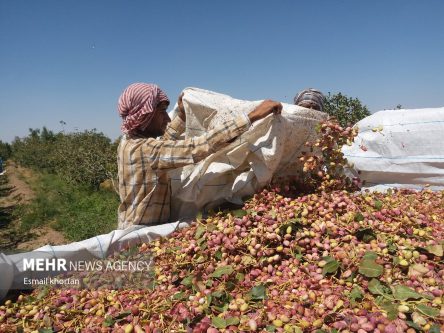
(346, 109)
(86, 158)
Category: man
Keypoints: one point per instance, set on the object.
(311, 99)
(144, 159)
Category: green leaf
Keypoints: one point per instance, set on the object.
(122, 315)
(428, 310)
(43, 293)
(376, 288)
(391, 246)
(258, 292)
(240, 277)
(239, 213)
(218, 255)
(251, 212)
(199, 232)
(218, 322)
(403, 293)
(355, 294)
(378, 204)
(218, 294)
(187, 281)
(223, 270)
(391, 309)
(109, 321)
(328, 259)
(201, 241)
(248, 260)
(370, 268)
(359, 217)
(151, 284)
(230, 286)
(46, 330)
(365, 235)
(435, 329)
(436, 249)
(370, 255)
(330, 267)
(413, 325)
(270, 328)
(179, 296)
(232, 321)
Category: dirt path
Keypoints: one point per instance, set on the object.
(16, 191)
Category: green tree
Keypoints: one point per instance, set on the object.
(86, 158)
(346, 109)
(5, 150)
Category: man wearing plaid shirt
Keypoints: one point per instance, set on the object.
(151, 146)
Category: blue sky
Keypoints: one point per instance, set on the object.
(70, 60)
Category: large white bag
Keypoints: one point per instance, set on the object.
(270, 147)
(400, 148)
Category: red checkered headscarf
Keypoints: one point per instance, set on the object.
(137, 105)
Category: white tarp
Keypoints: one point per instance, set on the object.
(102, 246)
(271, 146)
(400, 148)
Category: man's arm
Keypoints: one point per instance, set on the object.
(177, 126)
(167, 154)
(174, 129)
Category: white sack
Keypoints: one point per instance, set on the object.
(100, 247)
(270, 147)
(400, 148)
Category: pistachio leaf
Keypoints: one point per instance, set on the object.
(403, 293)
(199, 231)
(378, 204)
(232, 321)
(355, 294)
(218, 322)
(370, 268)
(258, 293)
(239, 213)
(223, 270)
(435, 329)
(436, 249)
(376, 288)
(365, 235)
(427, 310)
(109, 321)
(330, 267)
(370, 255)
(391, 309)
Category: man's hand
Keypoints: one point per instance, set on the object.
(181, 112)
(264, 109)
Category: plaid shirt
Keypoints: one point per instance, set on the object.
(143, 163)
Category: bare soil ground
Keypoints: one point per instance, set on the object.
(15, 190)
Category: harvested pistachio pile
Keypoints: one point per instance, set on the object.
(329, 261)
